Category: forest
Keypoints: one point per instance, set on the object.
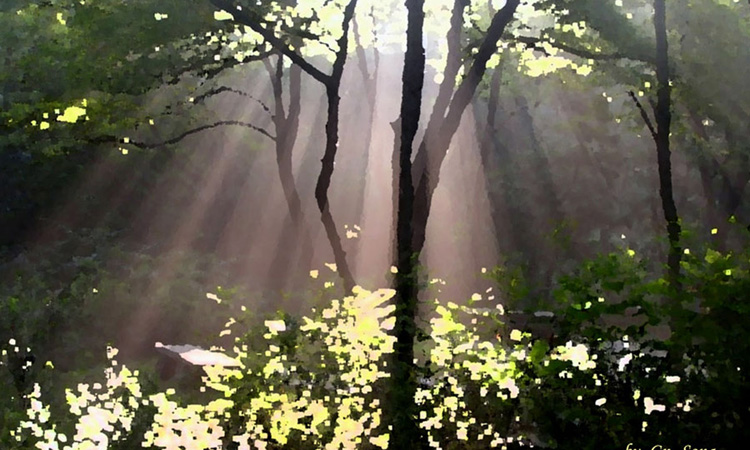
(362, 224)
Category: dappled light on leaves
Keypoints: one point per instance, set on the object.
(181, 181)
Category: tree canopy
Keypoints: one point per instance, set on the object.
(444, 223)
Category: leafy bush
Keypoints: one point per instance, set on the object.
(670, 363)
(626, 359)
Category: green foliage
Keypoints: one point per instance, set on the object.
(58, 306)
(625, 358)
(683, 351)
(511, 283)
(611, 373)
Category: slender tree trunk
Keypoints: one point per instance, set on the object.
(395, 177)
(331, 83)
(541, 162)
(295, 230)
(709, 169)
(495, 154)
(432, 150)
(553, 207)
(413, 210)
(663, 125)
(324, 181)
(731, 197)
(370, 80)
(332, 86)
(729, 194)
(445, 91)
(405, 432)
(310, 163)
(447, 86)
(452, 66)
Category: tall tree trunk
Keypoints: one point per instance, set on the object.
(434, 146)
(553, 209)
(310, 163)
(663, 123)
(295, 230)
(445, 91)
(495, 154)
(370, 83)
(370, 80)
(402, 416)
(452, 65)
(731, 189)
(413, 207)
(324, 181)
(541, 162)
(329, 156)
(332, 84)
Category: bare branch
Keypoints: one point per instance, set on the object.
(644, 115)
(187, 133)
(327, 45)
(220, 89)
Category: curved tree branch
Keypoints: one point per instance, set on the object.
(181, 136)
(220, 89)
(210, 69)
(644, 115)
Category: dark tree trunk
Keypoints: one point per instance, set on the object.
(615, 28)
(405, 433)
(413, 207)
(432, 150)
(548, 258)
(445, 91)
(324, 181)
(395, 176)
(332, 86)
(730, 191)
(452, 66)
(663, 112)
(541, 163)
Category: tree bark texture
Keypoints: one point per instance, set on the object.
(405, 432)
(663, 112)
